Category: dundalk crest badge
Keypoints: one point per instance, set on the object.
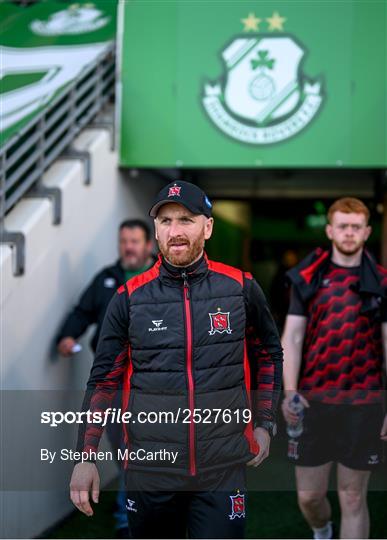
(237, 506)
(264, 96)
(220, 322)
(174, 191)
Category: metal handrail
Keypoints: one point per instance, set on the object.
(24, 160)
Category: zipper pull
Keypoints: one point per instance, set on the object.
(185, 280)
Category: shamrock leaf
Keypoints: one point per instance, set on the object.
(262, 60)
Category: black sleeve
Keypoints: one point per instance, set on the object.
(83, 315)
(110, 363)
(296, 306)
(264, 352)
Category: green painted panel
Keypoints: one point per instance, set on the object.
(251, 84)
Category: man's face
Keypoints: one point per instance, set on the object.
(348, 232)
(134, 250)
(180, 234)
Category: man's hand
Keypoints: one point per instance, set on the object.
(262, 437)
(85, 478)
(383, 431)
(66, 345)
(291, 417)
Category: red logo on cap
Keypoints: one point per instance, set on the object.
(174, 191)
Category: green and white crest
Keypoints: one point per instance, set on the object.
(263, 97)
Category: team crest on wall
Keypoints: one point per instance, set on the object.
(263, 96)
(75, 19)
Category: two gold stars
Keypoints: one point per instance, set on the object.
(251, 23)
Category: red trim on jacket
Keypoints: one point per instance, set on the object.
(142, 279)
(226, 270)
(249, 432)
(102, 399)
(308, 272)
(125, 398)
(382, 270)
(190, 377)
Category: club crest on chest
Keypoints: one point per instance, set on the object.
(220, 322)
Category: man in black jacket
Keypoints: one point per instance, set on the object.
(193, 340)
(135, 256)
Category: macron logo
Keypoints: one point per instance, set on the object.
(157, 326)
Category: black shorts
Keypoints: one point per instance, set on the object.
(346, 434)
(174, 506)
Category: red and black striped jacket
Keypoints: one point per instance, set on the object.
(195, 338)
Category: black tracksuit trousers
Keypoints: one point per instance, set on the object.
(210, 505)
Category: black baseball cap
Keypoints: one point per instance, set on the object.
(185, 193)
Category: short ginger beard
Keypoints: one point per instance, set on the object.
(184, 259)
(349, 252)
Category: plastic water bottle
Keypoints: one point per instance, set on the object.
(297, 407)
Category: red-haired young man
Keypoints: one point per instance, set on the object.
(334, 350)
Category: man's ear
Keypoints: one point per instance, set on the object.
(155, 224)
(368, 231)
(328, 231)
(208, 227)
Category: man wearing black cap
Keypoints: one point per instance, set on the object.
(199, 352)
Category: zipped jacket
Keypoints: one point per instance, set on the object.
(189, 342)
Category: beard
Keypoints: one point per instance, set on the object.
(192, 251)
(349, 248)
